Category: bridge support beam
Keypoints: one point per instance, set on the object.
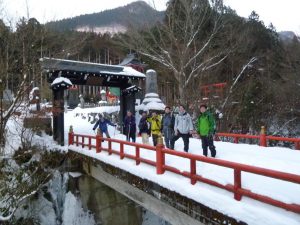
(161, 209)
(167, 204)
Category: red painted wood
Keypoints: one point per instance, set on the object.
(236, 188)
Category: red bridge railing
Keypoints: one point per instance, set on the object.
(161, 167)
(263, 138)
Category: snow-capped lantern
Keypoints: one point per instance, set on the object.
(34, 99)
(103, 95)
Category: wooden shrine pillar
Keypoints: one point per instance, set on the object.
(58, 110)
(58, 115)
(127, 101)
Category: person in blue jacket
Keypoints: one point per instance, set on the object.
(102, 123)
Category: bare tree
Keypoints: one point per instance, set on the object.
(186, 42)
(249, 64)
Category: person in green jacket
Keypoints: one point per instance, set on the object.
(206, 130)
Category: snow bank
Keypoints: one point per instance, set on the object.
(101, 109)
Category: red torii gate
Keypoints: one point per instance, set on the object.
(217, 88)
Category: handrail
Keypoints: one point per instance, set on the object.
(161, 167)
(238, 135)
(263, 138)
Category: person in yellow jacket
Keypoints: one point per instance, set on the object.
(155, 122)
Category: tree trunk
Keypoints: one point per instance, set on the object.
(2, 135)
(182, 94)
(181, 89)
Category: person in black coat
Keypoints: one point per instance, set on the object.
(130, 127)
(144, 128)
(167, 126)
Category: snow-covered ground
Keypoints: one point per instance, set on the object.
(250, 211)
(60, 205)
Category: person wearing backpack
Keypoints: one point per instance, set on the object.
(167, 126)
(206, 130)
(144, 128)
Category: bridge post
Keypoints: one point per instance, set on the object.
(237, 184)
(236, 140)
(263, 137)
(216, 137)
(98, 141)
(71, 135)
(160, 156)
(109, 147)
(122, 151)
(193, 171)
(90, 143)
(137, 156)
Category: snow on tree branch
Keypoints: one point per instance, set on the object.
(252, 60)
(20, 200)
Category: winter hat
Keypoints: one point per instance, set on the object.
(203, 105)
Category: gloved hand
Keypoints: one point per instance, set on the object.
(210, 136)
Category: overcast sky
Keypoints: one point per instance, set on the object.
(285, 15)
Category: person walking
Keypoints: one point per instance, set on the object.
(167, 126)
(206, 130)
(102, 123)
(155, 122)
(130, 127)
(144, 128)
(183, 127)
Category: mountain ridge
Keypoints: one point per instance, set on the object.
(114, 20)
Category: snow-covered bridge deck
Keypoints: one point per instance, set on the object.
(192, 175)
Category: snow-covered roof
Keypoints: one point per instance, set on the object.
(131, 89)
(53, 64)
(62, 81)
(150, 71)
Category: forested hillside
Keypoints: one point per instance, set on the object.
(135, 14)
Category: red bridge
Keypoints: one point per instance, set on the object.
(95, 144)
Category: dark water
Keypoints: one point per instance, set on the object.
(108, 206)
